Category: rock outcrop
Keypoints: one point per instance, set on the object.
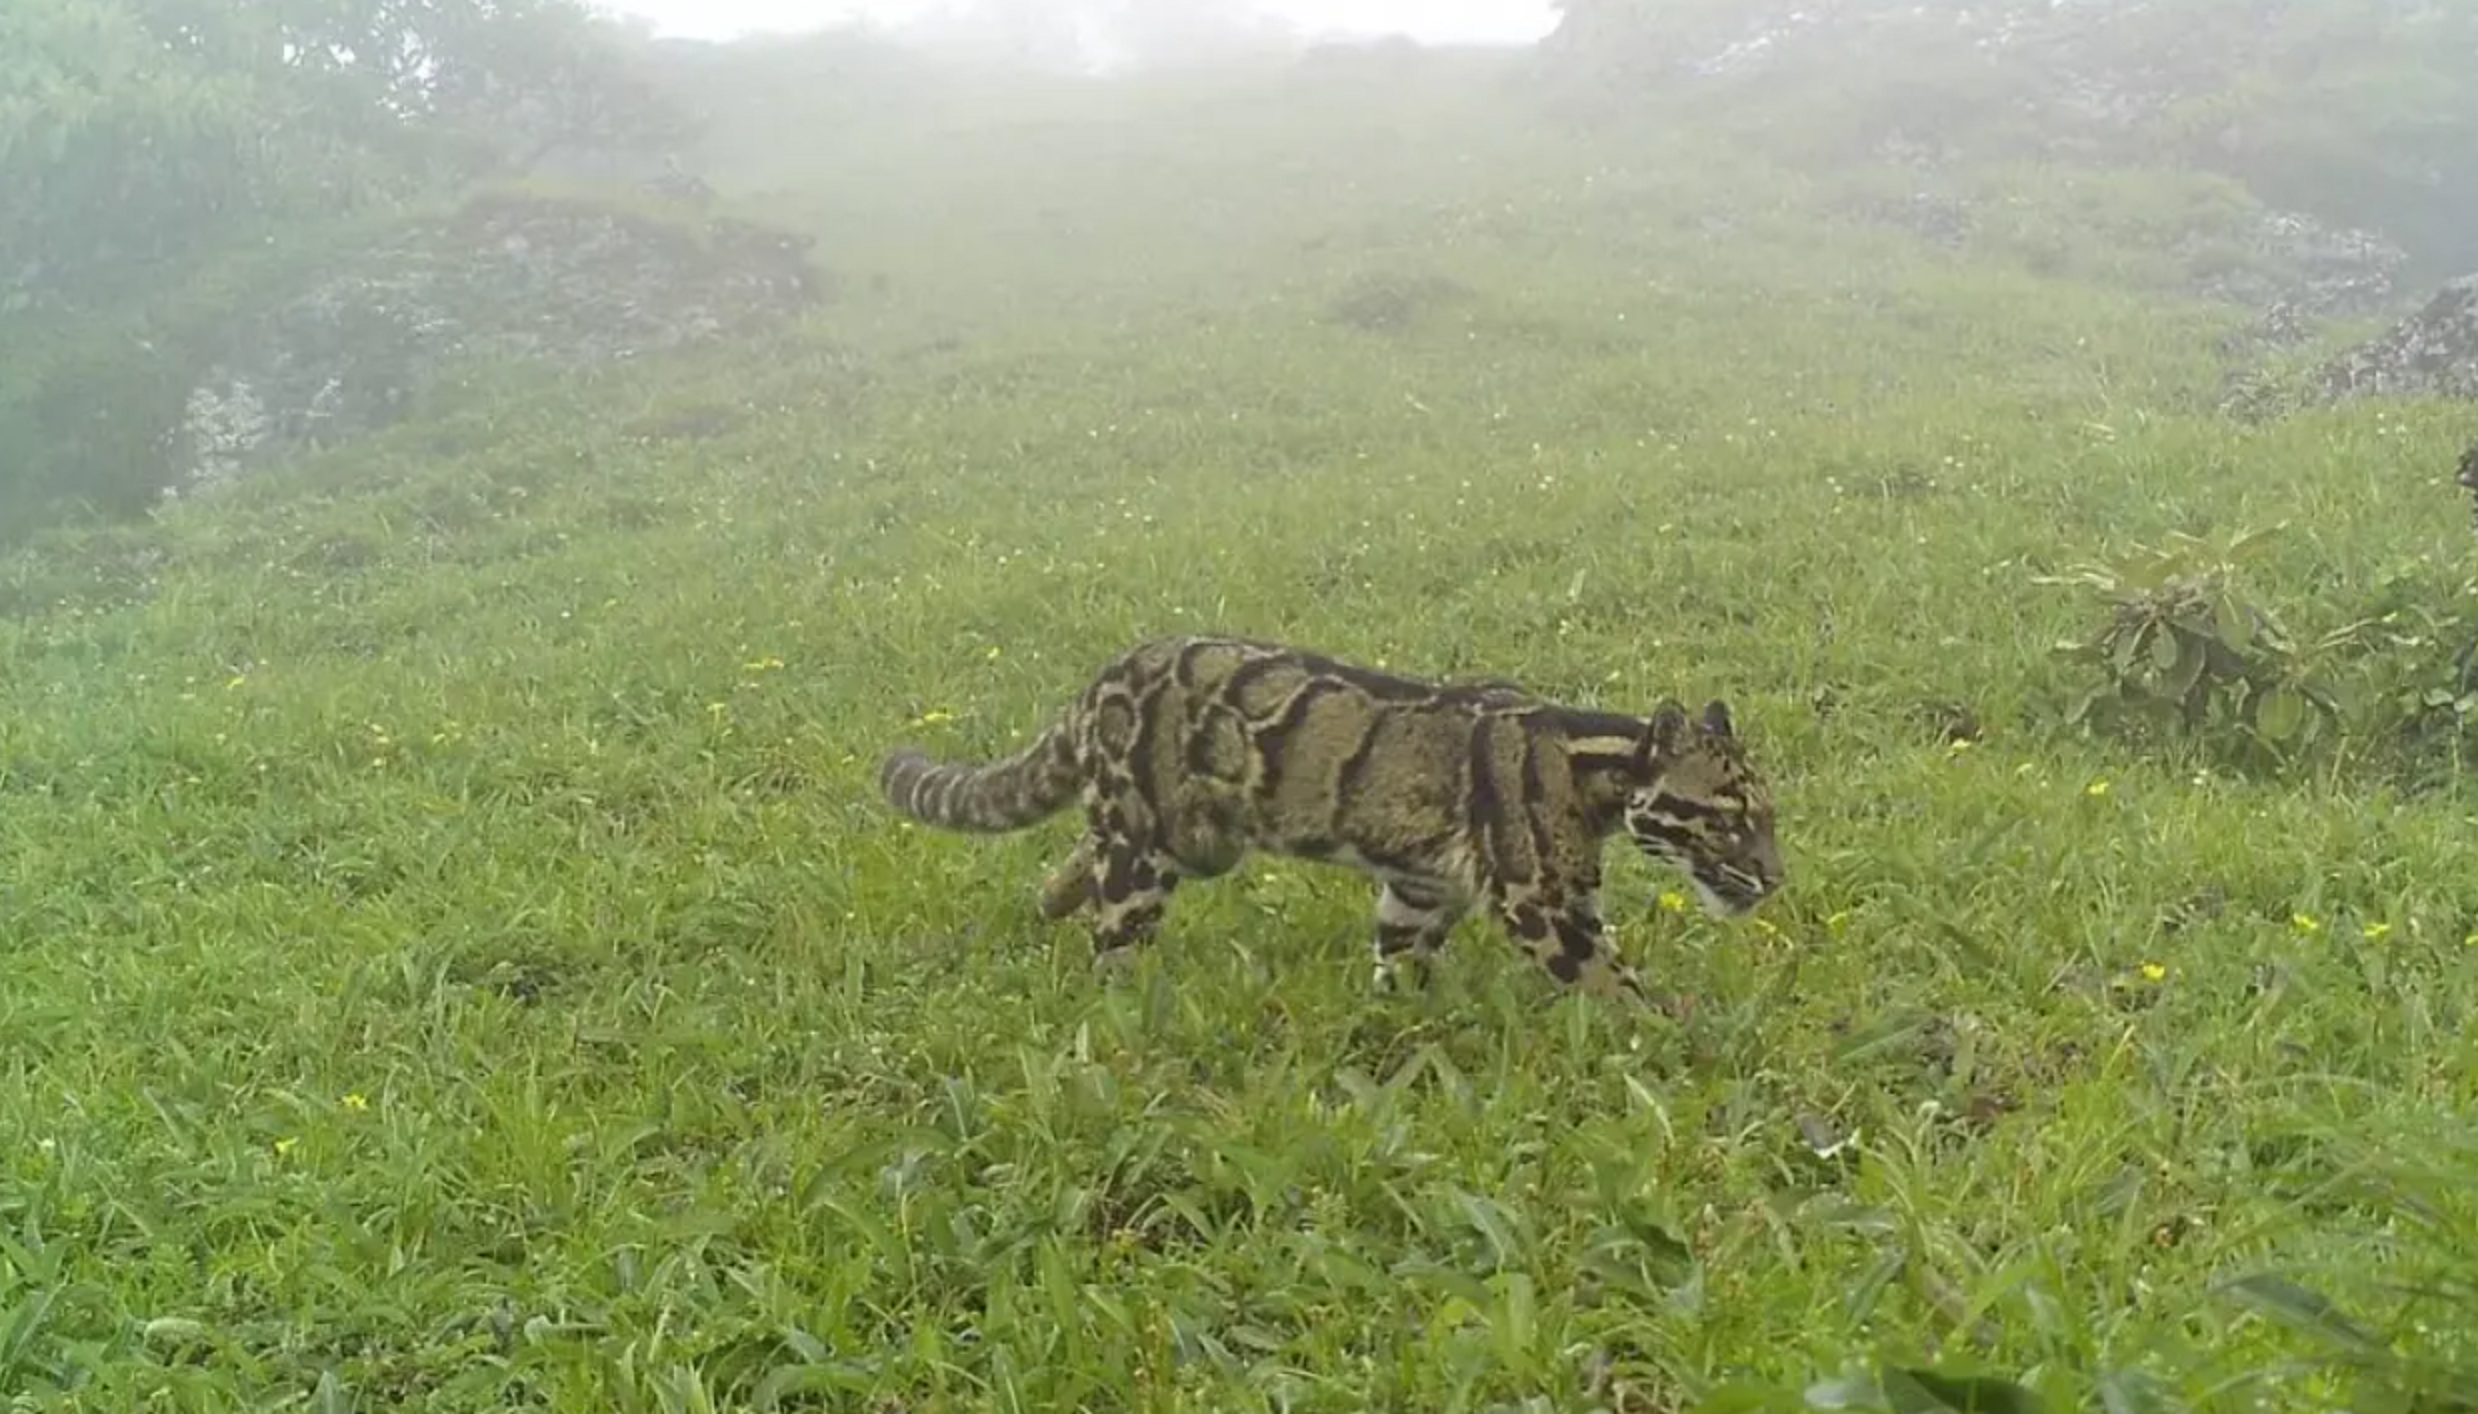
(2432, 353)
(2302, 271)
(555, 281)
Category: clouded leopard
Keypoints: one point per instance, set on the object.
(1188, 752)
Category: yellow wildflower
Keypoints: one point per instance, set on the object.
(2305, 923)
(2374, 932)
(2095, 789)
(2154, 972)
(356, 1101)
(285, 1145)
(1673, 900)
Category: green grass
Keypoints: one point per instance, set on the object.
(455, 957)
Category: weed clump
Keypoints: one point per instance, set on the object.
(1393, 303)
(2183, 649)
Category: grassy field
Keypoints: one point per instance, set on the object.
(456, 960)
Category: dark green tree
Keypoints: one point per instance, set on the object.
(160, 156)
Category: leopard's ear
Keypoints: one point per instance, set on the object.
(1716, 718)
(1665, 735)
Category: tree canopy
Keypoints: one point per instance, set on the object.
(147, 145)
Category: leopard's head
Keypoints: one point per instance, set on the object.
(1702, 808)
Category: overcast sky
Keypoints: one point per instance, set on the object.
(1438, 21)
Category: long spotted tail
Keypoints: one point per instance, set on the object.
(1001, 795)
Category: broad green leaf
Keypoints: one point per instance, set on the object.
(1746, 1397)
(1859, 1305)
(2130, 646)
(1847, 1392)
(2279, 714)
(2164, 647)
(2253, 540)
(2192, 657)
(2131, 1392)
(2235, 623)
(1929, 1392)
(2301, 1310)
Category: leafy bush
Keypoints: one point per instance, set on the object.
(2412, 699)
(2184, 649)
